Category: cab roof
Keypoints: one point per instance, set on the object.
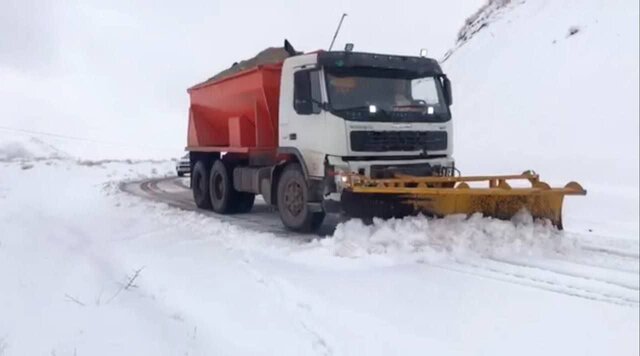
(342, 59)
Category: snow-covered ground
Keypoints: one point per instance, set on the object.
(88, 269)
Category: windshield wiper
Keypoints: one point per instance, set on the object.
(378, 111)
(361, 107)
(417, 106)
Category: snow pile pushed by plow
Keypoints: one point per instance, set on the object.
(455, 236)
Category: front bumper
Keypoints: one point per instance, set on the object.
(339, 199)
(370, 168)
(183, 168)
(358, 205)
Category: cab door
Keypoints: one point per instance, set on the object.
(302, 118)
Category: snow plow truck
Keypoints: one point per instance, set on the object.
(362, 134)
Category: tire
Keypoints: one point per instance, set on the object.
(225, 199)
(293, 196)
(221, 188)
(200, 185)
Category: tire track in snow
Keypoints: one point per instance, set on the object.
(301, 311)
(262, 219)
(608, 262)
(629, 282)
(181, 183)
(615, 286)
(605, 245)
(478, 271)
(611, 252)
(549, 281)
(155, 190)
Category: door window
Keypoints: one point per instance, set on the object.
(306, 95)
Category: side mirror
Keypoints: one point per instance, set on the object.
(448, 97)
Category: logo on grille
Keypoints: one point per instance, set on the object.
(402, 126)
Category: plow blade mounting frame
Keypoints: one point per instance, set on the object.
(439, 196)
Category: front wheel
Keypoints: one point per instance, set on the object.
(293, 196)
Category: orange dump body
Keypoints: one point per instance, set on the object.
(238, 113)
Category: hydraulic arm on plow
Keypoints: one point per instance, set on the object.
(439, 196)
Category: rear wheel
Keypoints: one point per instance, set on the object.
(293, 196)
(200, 185)
(221, 188)
(224, 198)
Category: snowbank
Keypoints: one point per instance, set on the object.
(27, 144)
(19, 147)
(433, 240)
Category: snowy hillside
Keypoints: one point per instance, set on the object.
(553, 86)
(532, 93)
(24, 147)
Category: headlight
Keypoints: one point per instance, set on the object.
(341, 177)
(337, 177)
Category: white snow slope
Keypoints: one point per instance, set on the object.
(527, 95)
(86, 269)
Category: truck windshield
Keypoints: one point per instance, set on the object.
(394, 96)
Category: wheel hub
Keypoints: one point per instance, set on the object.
(218, 189)
(294, 198)
(200, 183)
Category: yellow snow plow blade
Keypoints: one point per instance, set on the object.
(440, 196)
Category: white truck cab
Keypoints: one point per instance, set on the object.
(367, 114)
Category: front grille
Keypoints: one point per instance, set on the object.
(383, 141)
